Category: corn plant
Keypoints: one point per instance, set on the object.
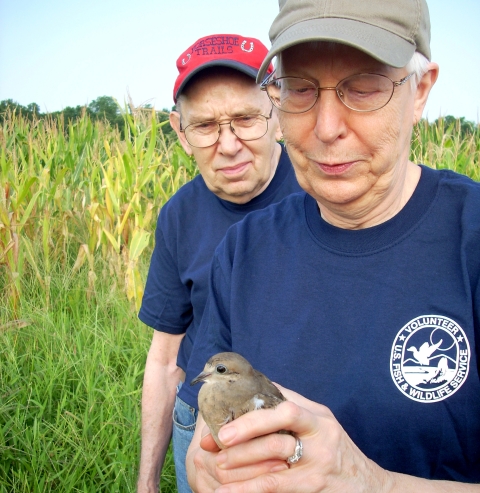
(79, 190)
(445, 145)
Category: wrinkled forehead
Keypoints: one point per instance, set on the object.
(215, 77)
(215, 94)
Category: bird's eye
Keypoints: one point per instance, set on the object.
(221, 369)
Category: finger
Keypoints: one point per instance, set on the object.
(203, 474)
(208, 443)
(249, 472)
(210, 476)
(279, 482)
(275, 446)
(287, 416)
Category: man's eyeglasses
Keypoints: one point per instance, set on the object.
(360, 92)
(245, 127)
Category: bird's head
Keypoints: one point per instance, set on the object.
(223, 366)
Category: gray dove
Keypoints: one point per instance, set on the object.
(232, 387)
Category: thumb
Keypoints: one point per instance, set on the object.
(207, 442)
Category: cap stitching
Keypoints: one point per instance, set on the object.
(325, 9)
(417, 22)
(361, 35)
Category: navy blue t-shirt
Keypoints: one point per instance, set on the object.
(382, 325)
(189, 228)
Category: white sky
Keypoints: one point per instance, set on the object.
(60, 53)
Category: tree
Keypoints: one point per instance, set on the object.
(464, 127)
(33, 109)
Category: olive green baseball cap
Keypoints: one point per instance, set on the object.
(388, 30)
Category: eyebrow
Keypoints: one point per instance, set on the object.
(371, 70)
(248, 110)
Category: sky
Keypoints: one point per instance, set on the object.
(59, 53)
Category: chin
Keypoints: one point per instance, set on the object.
(338, 193)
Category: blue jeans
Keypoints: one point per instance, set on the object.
(184, 420)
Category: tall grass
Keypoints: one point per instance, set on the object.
(70, 380)
(78, 205)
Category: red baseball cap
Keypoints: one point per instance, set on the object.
(227, 50)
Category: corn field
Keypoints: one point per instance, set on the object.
(72, 194)
(78, 207)
(445, 146)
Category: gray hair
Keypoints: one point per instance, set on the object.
(178, 103)
(418, 64)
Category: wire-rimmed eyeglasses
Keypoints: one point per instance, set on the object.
(245, 127)
(359, 92)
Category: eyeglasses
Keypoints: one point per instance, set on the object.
(359, 92)
(245, 127)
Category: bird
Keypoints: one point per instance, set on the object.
(423, 354)
(232, 387)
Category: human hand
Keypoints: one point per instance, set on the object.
(206, 476)
(331, 462)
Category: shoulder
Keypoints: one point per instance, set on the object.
(195, 190)
(459, 192)
(456, 182)
(266, 225)
(275, 215)
(191, 200)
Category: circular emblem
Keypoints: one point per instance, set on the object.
(430, 358)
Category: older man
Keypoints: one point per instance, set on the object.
(226, 122)
(362, 295)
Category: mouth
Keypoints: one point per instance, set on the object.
(336, 168)
(201, 377)
(234, 170)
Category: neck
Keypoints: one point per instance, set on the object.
(376, 208)
(273, 167)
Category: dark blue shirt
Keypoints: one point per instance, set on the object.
(380, 324)
(189, 228)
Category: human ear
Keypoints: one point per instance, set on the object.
(423, 90)
(175, 123)
(276, 125)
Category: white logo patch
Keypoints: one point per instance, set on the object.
(430, 358)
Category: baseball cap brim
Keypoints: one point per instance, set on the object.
(241, 67)
(380, 44)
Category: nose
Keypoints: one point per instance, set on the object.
(331, 116)
(228, 143)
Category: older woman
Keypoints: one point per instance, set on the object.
(362, 294)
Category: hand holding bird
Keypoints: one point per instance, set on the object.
(232, 387)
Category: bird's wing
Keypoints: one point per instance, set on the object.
(424, 348)
(265, 386)
(433, 347)
(260, 401)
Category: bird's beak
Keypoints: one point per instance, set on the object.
(201, 377)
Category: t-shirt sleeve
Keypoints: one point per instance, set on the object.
(166, 304)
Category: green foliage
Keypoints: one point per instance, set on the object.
(79, 186)
(31, 111)
(448, 143)
(70, 387)
(78, 206)
(163, 118)
(104, 108)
